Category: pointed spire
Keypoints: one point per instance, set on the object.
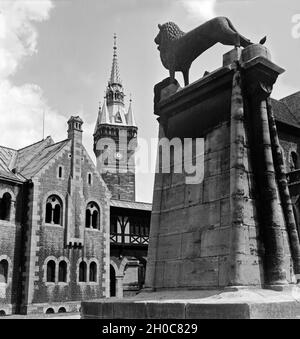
(130, 115)
(98, 118)
(104, 115)
(115, 74)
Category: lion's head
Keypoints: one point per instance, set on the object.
(168, 32)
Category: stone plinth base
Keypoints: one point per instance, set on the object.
(236, 304)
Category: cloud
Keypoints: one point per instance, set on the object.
(22, 107)
(21, 115)
(203, 9)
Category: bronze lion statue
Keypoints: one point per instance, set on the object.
(178, 49)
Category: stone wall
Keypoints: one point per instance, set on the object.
(10, 249)
(193, 242)
(48, 242)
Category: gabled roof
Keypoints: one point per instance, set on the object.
(41, 159)
(26, 154)
(293, 103)
(7, 160)
(23, 164)
(283, 113)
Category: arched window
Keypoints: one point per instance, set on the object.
(3, 271)
(82, 271)
(62, 271)
(51, 271)
(92, 216)
(93, 272)
(54, 210)
(294, 161)
(5, 205)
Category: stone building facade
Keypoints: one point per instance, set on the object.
(54, 227)
(60, 216)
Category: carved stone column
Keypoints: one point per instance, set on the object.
(286, 202)
(260, 75)
(119, 286)
(237, 182)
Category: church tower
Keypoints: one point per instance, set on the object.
(115, 138)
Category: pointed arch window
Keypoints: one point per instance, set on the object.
(51, 271)
(92, 216)
(54, 210)
(3, 271)
(93, 272)
(5, 206)
(82, 271)
(118, 118)
(62, 271)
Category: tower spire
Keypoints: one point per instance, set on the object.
(130, 115)
(115, 74)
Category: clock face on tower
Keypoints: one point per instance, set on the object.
(118, 156)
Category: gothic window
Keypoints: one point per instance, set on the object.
(53, 210)
(106, 159)
(62, 271)
(93, 272)
(3, 271)
(92, 216)
(294, 161)
(118, 118)
(82, 271)
(51, 271)
(5, 205)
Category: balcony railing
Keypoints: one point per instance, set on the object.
(293, 177)
(129, 239)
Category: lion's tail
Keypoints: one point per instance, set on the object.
(244, 41)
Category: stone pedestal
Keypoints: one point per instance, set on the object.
(223, 225)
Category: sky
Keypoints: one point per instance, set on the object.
(55, 59)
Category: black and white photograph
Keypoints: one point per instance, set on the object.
(149, 163)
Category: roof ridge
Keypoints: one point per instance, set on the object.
(292, 113)
(9, 148)
(56, 143)
(283, 101)
(35, 143)
(64, 142)
(288, 108)
(290, 95)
